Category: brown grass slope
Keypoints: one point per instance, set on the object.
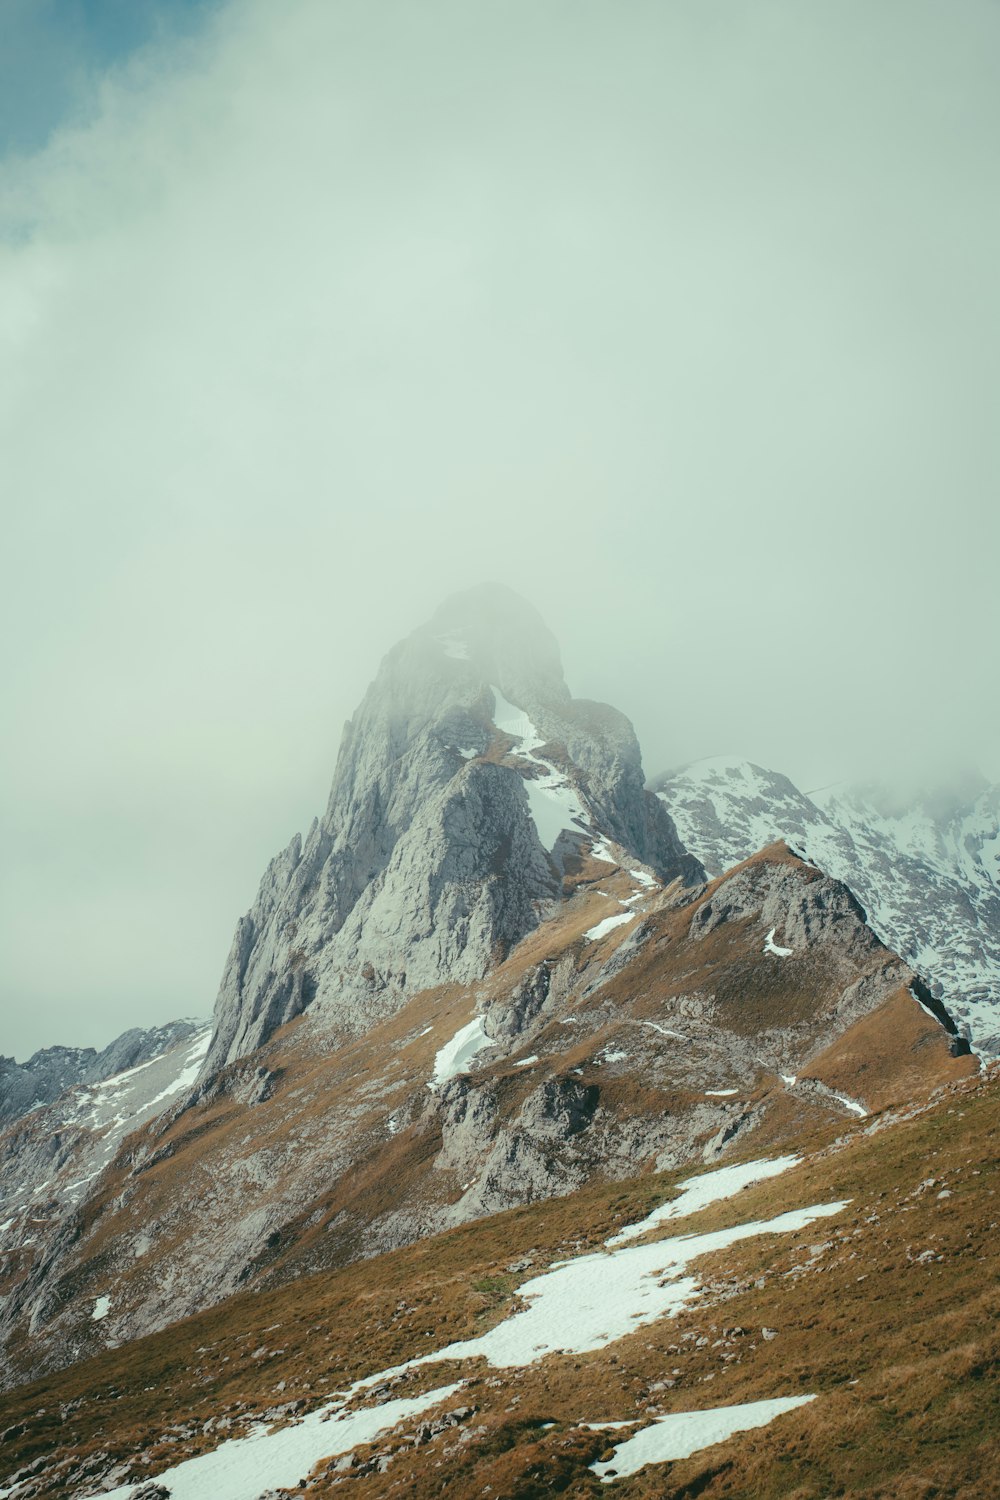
(323, 1149)
(888, 1312)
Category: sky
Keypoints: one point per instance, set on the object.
(681, 318)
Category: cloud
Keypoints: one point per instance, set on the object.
(687, 331)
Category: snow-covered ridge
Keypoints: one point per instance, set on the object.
(927, 874)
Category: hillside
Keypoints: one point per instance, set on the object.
(864, 1277)
(641, 1027)
(926, 868)
(476, 1032)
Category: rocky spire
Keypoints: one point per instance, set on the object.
(465, 780)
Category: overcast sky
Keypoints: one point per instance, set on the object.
(681, 318)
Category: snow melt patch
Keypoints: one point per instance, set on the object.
(685, 1432)
(664, 1030)
(552, 798)
(608, 925)
(192, 1067)
(102, 1307)
(708, 1187)
(554, 806)
(852, 1105)
(283, 1459)
(770, 946)
(589, 1302)
(455, 1056)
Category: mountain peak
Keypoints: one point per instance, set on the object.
(467, 785)
(504, 640)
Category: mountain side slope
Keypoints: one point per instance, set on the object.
(51, 1071)
(641, 1027)
(857, 1287)
(926, 870)
(51, 1158)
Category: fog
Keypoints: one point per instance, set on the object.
(680, 318)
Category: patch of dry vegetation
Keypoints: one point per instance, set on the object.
(888, 1311)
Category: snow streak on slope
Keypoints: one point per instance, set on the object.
(280, 1458)
(552, 799)
(457, 1053)
(685, 1432)
(927, 874)
(708, 1187)
(573, 1307)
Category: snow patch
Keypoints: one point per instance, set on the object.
(553, 802)
(455, 1056)
(852, 1105)
(608, 925)
(527, 1062)
(720, 1093)
(283, 1459)
(102, 1307)
(685, 1432)
(770, 946)
(708, 1187)
(589, 1302)
(192, 1067)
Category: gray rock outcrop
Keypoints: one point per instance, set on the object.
(464, 782)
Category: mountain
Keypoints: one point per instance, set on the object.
(466, 785)
(49, 1073)
(926, 869)
(482, 1021)
(815, 1322)
(52, 1154)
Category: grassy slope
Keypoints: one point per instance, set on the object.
(903, 1352)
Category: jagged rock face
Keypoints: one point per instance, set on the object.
(927, 872)
(46, 1075)
(52, 1156)
(466, 780)
(638, 1027)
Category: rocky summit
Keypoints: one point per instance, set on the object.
(465, 786)
(402, 1217)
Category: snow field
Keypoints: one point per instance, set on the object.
(245, 1467)
(685, 1432)
(573, 1307)
(708, 1187)
(770, 946)
(589, 1302)
(608, 925)
(455, 1056)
